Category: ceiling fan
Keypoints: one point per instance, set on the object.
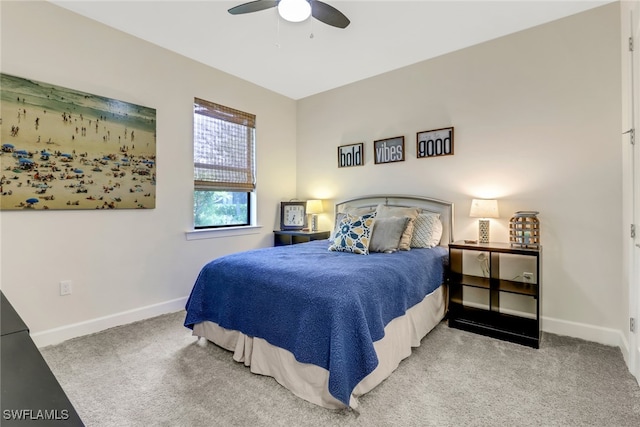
(297, 11)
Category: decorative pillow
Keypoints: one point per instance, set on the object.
(353, 211)
(353, 234)
(339, 217)
(386, 234)
(384, 211)
(358, 211)
(427, 230)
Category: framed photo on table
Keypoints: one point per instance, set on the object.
(292, 215)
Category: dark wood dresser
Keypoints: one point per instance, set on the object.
(31, 394)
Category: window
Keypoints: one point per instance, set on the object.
(223, 165)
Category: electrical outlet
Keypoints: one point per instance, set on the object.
(65, 287)
(527, 277)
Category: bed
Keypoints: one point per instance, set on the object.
(326, 322)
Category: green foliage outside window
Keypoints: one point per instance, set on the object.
(220, 208)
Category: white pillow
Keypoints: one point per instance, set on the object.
(427, 230)
(358, 211)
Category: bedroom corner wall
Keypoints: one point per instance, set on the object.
(537, 125)
(127, 264)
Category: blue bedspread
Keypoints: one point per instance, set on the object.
(327, 308)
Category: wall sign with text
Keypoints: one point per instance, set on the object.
(351, 155)
(389, 150)
(435, 143)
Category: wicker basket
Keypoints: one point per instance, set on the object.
(524, 230)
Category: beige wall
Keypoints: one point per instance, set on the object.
(124, 260)
(537, 125)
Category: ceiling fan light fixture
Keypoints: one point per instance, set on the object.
(294, 10)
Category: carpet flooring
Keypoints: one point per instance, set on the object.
(154, 373)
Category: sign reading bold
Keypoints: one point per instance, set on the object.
(351, 155)
(389, 150)
(435, 143)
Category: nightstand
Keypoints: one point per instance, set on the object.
(291, 237)
(489, 283)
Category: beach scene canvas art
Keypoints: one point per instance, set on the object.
(65, 149)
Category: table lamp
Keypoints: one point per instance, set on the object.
(482, 208)
(314, 207)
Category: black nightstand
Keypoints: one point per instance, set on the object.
(289, 237)
(509, 273)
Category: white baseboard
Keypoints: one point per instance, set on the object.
(606, 336)
(63, 333)
(53, 336)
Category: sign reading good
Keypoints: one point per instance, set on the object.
(435, 143)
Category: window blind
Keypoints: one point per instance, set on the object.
(223, 147)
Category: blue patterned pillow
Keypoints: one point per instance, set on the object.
(353, 234)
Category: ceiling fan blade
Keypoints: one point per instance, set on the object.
(253, 6)
(328, 14)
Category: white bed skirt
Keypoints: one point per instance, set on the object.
(310, 382)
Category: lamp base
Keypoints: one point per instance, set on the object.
(483, 231)
(314, 222)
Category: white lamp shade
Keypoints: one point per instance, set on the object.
(482, 208)
(314, 206)
(294, 10)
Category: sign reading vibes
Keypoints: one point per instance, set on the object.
(389, 150)
(351, 155)
(434, 143)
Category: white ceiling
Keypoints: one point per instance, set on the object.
(281, 56)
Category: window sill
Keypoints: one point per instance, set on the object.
(214, 233)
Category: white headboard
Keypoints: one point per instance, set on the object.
(444, 208)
